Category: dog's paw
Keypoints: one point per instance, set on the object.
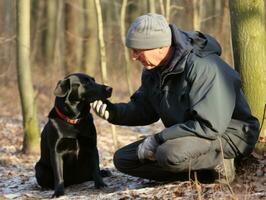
(59, 191)
(58, 194)
(106, 173)
(100, 184)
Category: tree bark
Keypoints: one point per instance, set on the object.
(197, 15)
(167, 10)
(28, 104)
(37, 31)
(50, 39)
(248, 39)
(162, 7)
(90, 47)
(123, 37)
(59, 49)
(152, 7)
(249, 47)
(73, 35)
(101, 42)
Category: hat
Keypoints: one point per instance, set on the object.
(148, 32)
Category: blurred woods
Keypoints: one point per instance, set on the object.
(64, 35)
(88, 35)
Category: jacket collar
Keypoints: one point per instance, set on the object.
(177, 61)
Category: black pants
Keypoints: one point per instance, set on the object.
(175, 159)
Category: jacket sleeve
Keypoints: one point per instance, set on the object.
(212, 100)
(137, 112)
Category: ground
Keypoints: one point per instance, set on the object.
(17, 170)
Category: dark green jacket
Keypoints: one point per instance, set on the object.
(195, 94)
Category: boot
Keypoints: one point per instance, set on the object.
(225, 171)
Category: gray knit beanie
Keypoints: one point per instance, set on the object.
(148, 32)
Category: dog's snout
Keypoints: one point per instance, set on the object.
(109, 89)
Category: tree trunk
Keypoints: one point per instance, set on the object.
(152, 7)
(37, 31)
(248, 39)
(50, 39)
(197, 15)
(59, 50)
(167, 10)
(127, 65)
(103, 57)
(162, 7)
(73, 35)
(101, 42)
(28, 104)
(90, 47)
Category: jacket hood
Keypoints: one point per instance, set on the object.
(185, 42)
(203, 44)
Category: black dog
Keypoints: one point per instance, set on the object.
(69, 154)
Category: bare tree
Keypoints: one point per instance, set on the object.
(51, 11)
(90, 45)
(103, 56)
(73, 35)
(197, 14)
(28, 104)
(127, 65)
(101, 41)
(162, 7)
(152, 7)
(37, 30)
(167, 10)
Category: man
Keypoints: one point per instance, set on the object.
(197, 96)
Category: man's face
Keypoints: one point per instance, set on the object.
(150, 58)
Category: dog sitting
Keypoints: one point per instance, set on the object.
(69, 154)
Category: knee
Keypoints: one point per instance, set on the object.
(171, 159)
(125, 161)
(118, 160)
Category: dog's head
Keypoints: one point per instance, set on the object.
(81, 87)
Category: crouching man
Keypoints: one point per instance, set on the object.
(198, 97)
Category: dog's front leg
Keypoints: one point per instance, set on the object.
(96, 173)
(57, 164)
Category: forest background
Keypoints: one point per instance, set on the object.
(65, 38)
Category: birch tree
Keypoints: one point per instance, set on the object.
(127, 59)
(50, 39)
(103, 56)
(90, 47)
(101, 41)
(28, 104)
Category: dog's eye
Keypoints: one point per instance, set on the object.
(90, 82)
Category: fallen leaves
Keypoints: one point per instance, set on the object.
(18, 181)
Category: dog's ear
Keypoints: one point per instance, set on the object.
(62, 88)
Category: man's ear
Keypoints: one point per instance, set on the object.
(62, 88)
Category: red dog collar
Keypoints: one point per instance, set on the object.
(66, 118)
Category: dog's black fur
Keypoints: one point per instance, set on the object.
(69, 154)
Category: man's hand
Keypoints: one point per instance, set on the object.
(147, 149)
(100, 109)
